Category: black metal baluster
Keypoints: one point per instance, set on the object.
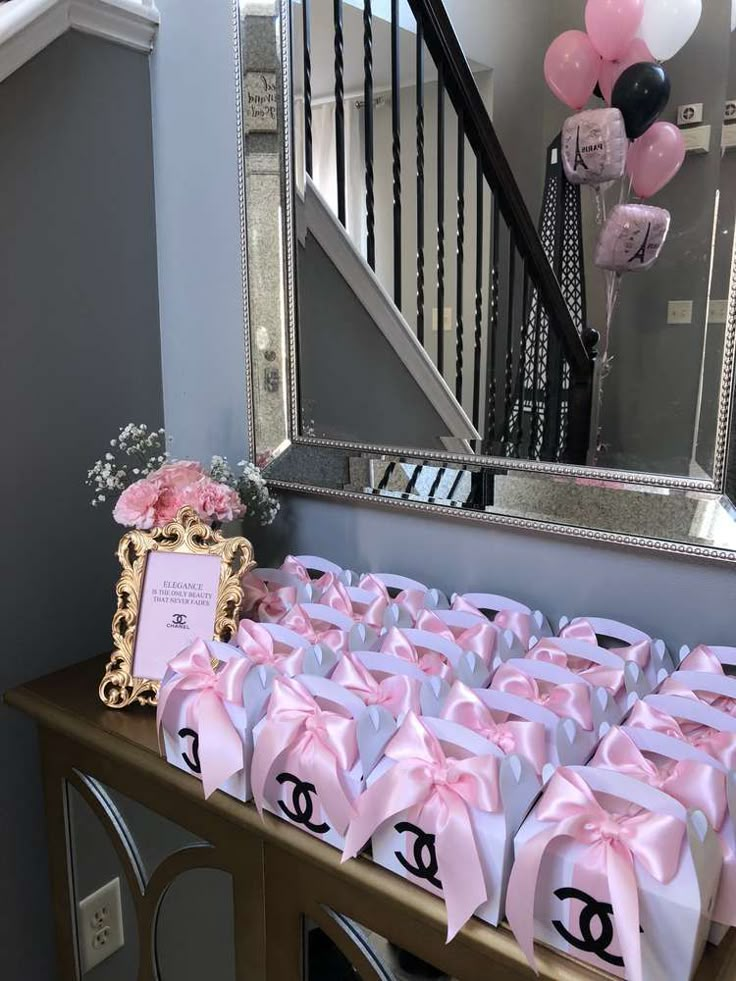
(339, 110)
(420, 182)
(518, 434)
(410, 487)
(368, 133)
(307, 37)
(440, 220)
(534, 426)
(455, 485)
(441, 471)
(509, 376)
(396, 131)
(459, 327)
(387, 475)
(478, 339)
(490, 434)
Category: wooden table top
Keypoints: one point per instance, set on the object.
(67, 702)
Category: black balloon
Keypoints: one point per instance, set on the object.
(641, 93)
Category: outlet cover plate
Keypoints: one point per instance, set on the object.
(100, 925)
(680, 312)
(718, 311)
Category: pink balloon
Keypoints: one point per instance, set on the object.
(611, 70)
(612, 25)
(655, 158)
(571, 68)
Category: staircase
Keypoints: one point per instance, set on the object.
(513, 377)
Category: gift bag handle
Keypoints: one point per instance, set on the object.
(630, 789)
(389, 664)
(692, 711)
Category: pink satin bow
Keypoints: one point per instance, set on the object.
(567, 701)
(254, 591)
(258, 646)
(695, 785)
(440, 791)
(220, 743)
(396, 693)
(721, 745)
(480, 638)
(430, 662)
(600, 675)
(298, 621)
(324, 743)
(335, 595)
(701, 658)
(276, 604)
(295, 568)
(616, 843)
(520, 624)
(582, 629)
(527, 739)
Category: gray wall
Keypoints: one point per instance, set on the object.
(353, 386)
(198, 228)
(683, 601)
(80, 357)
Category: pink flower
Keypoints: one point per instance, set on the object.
(136, 506)
(157, 499)
(219, 502)
(179, 473)
(180, 483)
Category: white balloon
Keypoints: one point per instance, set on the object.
(667, 25)
(733, 15)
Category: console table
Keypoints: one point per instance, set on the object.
(282, 877)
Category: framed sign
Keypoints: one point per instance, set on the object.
(260, 102)
(178, 582)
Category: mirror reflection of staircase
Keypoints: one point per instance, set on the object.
(403, 186)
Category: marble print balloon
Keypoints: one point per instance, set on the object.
(594, 146)
(667, 25)
(632, 238)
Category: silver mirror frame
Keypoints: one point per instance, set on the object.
(713, 488)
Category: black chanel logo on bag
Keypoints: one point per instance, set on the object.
(593, 910)
(425, 855)
(194, 765)
(302, 803)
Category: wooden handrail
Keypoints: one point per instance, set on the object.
(447, 52)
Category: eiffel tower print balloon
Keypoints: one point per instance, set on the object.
(632, 238)
(594, 146)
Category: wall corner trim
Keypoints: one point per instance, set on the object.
(28, 26)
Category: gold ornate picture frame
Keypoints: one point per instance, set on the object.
(187, 535)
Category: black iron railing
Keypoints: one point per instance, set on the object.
(527, 382)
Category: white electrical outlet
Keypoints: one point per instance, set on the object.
(447, 320)
(690, 114)
(717, 311)
(680, 312)
(100, 925)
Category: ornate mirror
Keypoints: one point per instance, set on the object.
(429, 324)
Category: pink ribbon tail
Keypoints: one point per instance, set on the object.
(270, 746)
(220, 744)
(459, 864)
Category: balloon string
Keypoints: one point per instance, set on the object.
(600, 204)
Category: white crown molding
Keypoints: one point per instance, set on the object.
(28, 26)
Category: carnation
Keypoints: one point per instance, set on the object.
(136, 506)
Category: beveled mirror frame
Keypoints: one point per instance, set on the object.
(714, 488)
